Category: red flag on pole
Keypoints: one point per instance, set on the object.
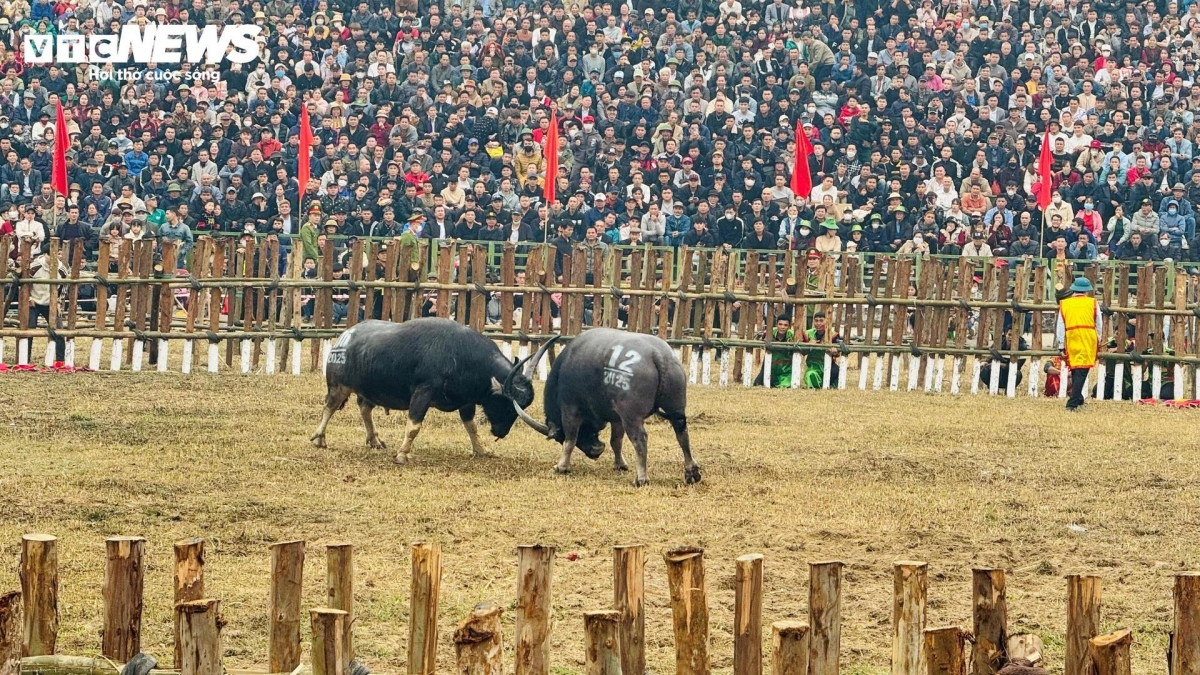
(58, 163)
(550, 152)
(303, 167)
(801, 173)
(1045, 168)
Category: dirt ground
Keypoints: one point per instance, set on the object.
(867, 478)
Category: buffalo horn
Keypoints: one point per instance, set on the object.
(536, 357)
(529, 368)
(528, 419)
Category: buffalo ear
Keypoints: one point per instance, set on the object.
(516, 360)
(497, 388)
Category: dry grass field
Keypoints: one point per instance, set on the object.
(798, 476)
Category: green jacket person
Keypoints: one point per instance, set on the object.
(781, 360)
(814, 367)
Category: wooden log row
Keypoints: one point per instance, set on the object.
(613, 636)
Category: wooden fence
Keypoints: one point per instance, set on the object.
(898, 322)
(614, 636)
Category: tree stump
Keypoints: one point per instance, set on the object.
(789, 648)
(200, 637)
(124, 575)
(1185, 640)
(747, 615)
(10, 633)
(478, 647)
(287, 579)
(39, 593)
(946, 651)
(339, 584)
(329, 655)
(910, 586)
(422, 625)
(1083, 620)
(824, 617)
(189, 581)
(689, 609)
(1109, 654)
(990, 612)
(535, 568)
(602, 650)
(629, 587)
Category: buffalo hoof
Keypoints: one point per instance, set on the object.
(402, 458)
(621, 467)
(562, 470)
(377, 443)
(691, 476)
(318, 441)
(641, 482)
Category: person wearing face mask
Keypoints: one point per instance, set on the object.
(586, 144)
(529, 155)
(1168, 249)
(1112, 193)
(1172, 223)
(876, 235)
(1184, 206)
(1090, 219)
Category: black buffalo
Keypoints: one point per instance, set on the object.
(608, 376)
(418, 365)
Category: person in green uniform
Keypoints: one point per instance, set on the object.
(814, 365)
(781, 359)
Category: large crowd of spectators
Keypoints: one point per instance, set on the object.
(677, 125)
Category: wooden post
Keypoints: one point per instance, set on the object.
(1109, 654)
(200, 637)
(189, 582)
(535, 566)
(39, 593)
(946, 651)
(689, 609)
(422, 625)
(789, 642)
(339, 586)
(329, 655)
(747, 615)
(629, 584)
(1083, 620)
(478, 647)
(824, 617)
(910, 585)
(124, 573)
(990, 612)
(287, 576)
(1185, 639)
(10, 630)
(602, 650)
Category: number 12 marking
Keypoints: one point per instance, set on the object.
(631, 357)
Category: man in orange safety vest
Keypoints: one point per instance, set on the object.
(1080, 325)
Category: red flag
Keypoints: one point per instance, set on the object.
(58, 163)
(550, 152)
(1045, 167)
(801, 173)
(303, 168)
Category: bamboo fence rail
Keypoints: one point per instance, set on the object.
(895, 322)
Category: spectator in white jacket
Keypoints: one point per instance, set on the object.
(654, 224)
